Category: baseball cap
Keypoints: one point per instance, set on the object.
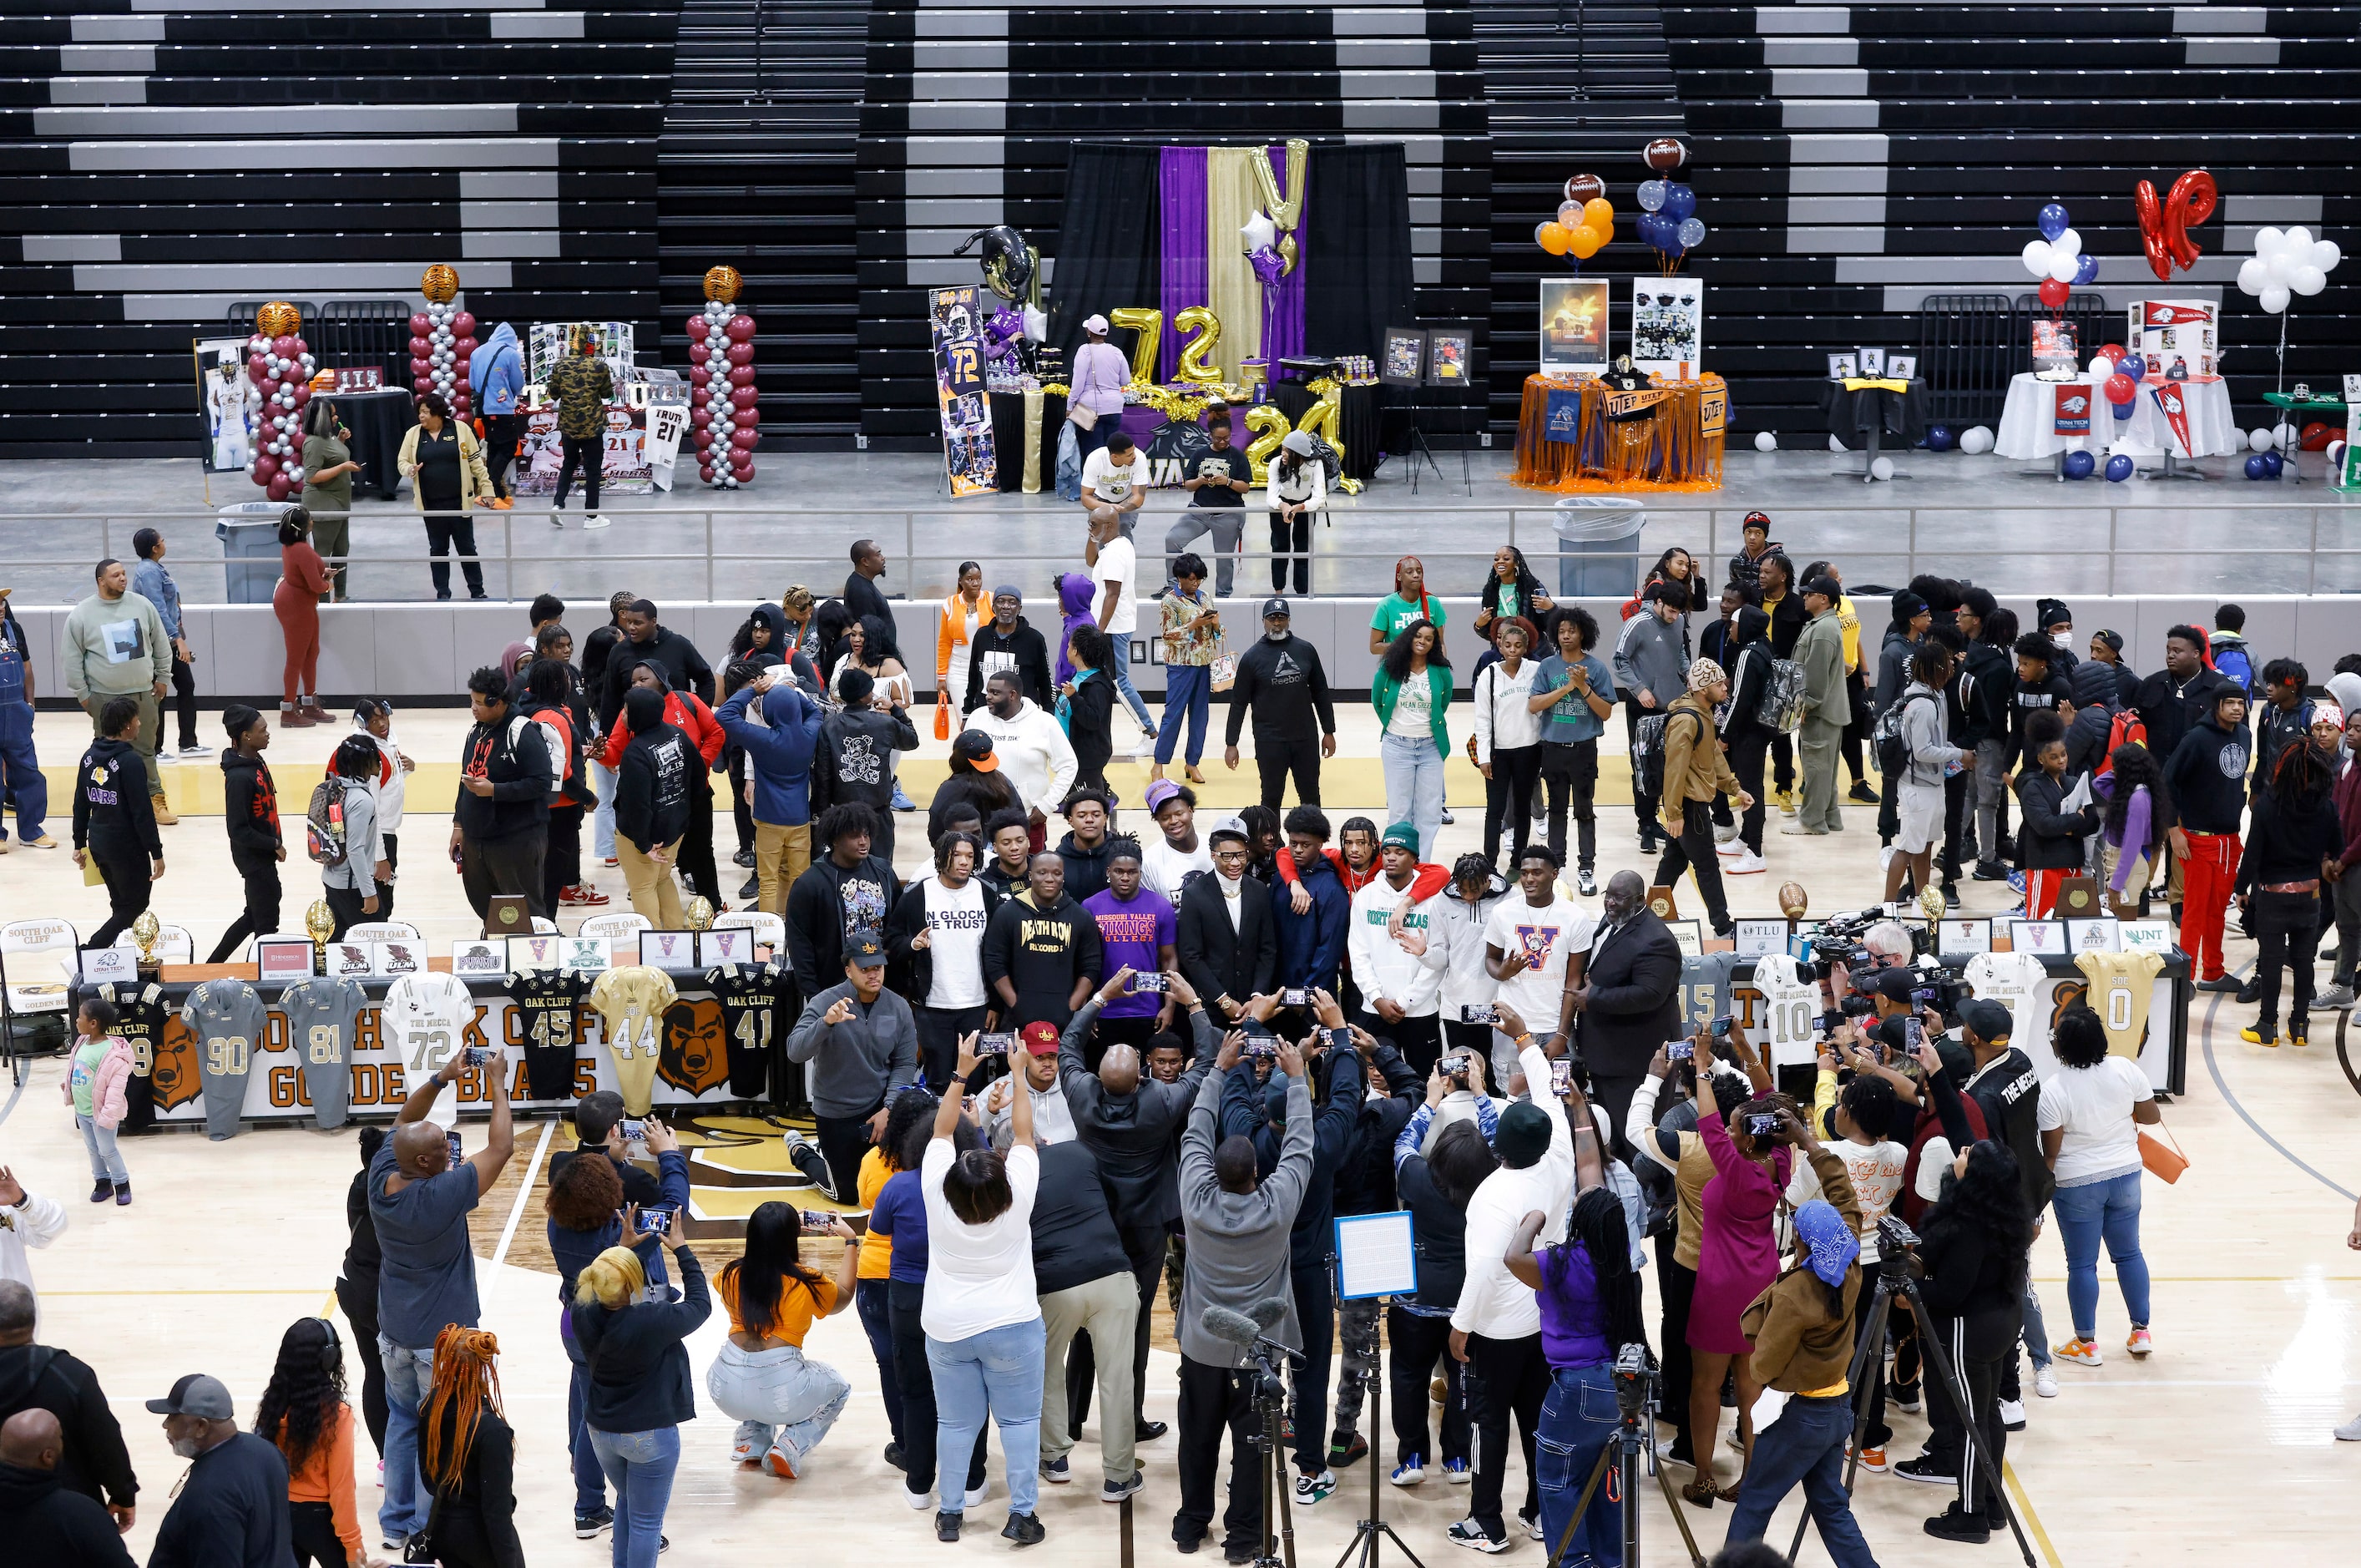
(1990, 1020)
(1094, 323)
(1229, 828)
(1159, 792)
(1271, 607)
(2113, 640)
(196, 1395)
(1828, 588)
(1893, 984)
(1040, 1037)
(864, 949)
(976, 746)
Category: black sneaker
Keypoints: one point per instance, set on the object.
(1024, 1529)
(2250, 992)
(1149, 1432)
(1934, 1472)
(2221, 983)
(947, 1526)
(1861, 792)
(102, 1192)
(744, 858)
(1905, 1395)
(1953, 1525)
(1989, 871)
(894, 1456)
(587, 1526)
(1353, 1449)
(754, 889)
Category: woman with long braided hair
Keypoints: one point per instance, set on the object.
(467, 1453)
(305, 1412)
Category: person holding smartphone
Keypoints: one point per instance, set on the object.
(785, 1403)
(637, 1387)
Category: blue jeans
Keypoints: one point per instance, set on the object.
(998, 1373)
(1188, 690)
(639, 1464)
(20, 774)
(106, 1157)
(409, 1375)
(869, 1298)
(1579, 1421)
(590, 1481)
(2037, 1333)
(1119, 665)
(781, 1400)
(1413, 786)
(602, 821)
(1805, 1444)
(2108, 1208)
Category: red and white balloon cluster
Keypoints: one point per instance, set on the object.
(442, 337)
(280, 367)
(723, 417)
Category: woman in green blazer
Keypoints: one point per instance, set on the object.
(1410, 691)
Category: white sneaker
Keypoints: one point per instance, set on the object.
(1727, 832)
(1748, 864)
(1729, 847)
(2045, 1382)
(1146, 750)
(2012, 1415)
(194, 751)
(595, 520)
(974, 1499)
(919, 1501)
(557, 517)
(2350, 1432)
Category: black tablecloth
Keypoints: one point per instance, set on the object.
(1852, 415)
(1360, 412)
(379, 421)
(1009, 438)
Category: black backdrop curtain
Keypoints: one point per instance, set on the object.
(1109, 239)
(1356, 248)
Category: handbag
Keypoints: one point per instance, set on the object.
(943, 716)
(1222, 670)
(2162, 1156)
(1081, 417)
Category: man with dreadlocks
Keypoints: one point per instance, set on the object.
(468, 1455)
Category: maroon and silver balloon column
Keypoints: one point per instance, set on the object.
(724, 416)
(442, 337)
(279, 367)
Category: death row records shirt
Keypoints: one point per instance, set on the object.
(424, 1018)
(2121, 985)
(631, 1004)
(750, 997)
(549, 1017)
(1705, 991)
(322, 1021)
(1786, 1029)
(1548, 937)
(2014, 980)
(229, 1022)
(142, 1013)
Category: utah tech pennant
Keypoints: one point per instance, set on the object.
(2175, 409)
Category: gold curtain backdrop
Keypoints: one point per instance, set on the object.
(1232, 293)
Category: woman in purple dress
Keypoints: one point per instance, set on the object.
(1737, 1260)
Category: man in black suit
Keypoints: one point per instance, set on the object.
(1627, 1000)
(1229, 957)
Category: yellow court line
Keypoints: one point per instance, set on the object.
(301, 1290)
(2032, 1521)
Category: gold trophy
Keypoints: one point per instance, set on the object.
(144, 932)
(699, 913)
(1932, 902)
(320, 924)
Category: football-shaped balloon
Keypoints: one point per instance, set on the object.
(1663, 155)
(741, 329)
(1585, 188)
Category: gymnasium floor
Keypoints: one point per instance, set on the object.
(2255, 1313)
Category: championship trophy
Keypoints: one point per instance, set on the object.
(699, 913)
(1933, 906)
(320, 924)
(144, 932)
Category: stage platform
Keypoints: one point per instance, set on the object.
(1984, 518)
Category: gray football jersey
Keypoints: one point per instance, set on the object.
(230, 1023)
(323, 1014)
(1705, 989)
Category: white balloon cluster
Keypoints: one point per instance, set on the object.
(2061, 258)
(1976, 440)
(724, 415)
(2287, 262)
(280, 370)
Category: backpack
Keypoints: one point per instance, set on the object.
(2232, 660)
(324, 822)
(1648, 755)
(2122, 730)
(1893, 746)
(1781, 707)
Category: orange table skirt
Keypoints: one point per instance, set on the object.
(1666, 450)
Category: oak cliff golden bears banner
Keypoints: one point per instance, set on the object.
(956, 318)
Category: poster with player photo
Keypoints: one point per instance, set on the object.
(955, 319)
(1574, 326)
(229, 403)
(1668, 325)
(1403, 363)
(1450, 356)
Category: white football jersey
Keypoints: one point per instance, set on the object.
(1791, 1009)
(425, 1017)
(2014, 980)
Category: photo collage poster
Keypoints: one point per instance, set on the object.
(625, 467)
(1573, 327)
(231, 406)
(956, 318)
(1668, 325)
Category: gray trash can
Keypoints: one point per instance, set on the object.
(1597, 536)
(248, 532)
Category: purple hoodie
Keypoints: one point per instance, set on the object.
(1074, 594)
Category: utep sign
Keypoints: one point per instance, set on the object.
(2073, 417)
(692, 1066)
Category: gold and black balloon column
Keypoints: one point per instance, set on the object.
(725, 417)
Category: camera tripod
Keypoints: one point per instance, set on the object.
(1622, 1450)
(1277, 1547)
(1901, 1275)
(1363, 1544)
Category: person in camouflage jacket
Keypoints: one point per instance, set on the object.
(581, 384)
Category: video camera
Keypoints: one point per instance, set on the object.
(1897, 1240)
(1839, 940)
(1635, 1374)
(1938, 985)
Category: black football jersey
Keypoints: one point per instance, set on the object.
(549, 1017)
(752, 998)
(143, 1013)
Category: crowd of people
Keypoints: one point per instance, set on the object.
(1058, 1076)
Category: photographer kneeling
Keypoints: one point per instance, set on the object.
(1803, 1333)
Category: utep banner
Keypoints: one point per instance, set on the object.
(2073, 408)
(956, 318)
(691, 1065)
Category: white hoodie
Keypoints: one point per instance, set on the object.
(1033, 752)
(1503, 722)
(1454, 949)
(1380, 966)
(36, 1221)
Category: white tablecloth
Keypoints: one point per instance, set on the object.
(2028, 423)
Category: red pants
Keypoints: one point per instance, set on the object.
(2205, 879)
(2041, 893)
(298, 626)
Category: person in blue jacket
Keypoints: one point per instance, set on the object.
(1311, 945)
(496, 382)
(778, 747)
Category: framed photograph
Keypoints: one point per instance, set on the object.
(1668, 326)
(1573, 327)
(2146, 935)
(1871, 361)
(2043, 939)
(282, 963)
(1842, 367)
(1404, 360)
(2094, 936)
(479, 958)
(399, 958)
(726, 945)
(1687, 935)
(227, 401)
(101, 965)
(1962, 938)
(1450, 356)
(351, 960)
(586, 955)
(1761, 938)
(527, 954)
(2054, 349)
(668, 949)
(1902, 367)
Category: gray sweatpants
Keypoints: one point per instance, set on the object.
(1990, 791)
(1228, 527)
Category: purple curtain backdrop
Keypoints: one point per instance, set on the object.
(1282, 321)
(1182, 173)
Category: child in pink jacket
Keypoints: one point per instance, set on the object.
(98, 1070)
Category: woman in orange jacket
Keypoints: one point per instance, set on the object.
(963, 611)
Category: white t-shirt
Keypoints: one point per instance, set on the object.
(2094, 1106)
(1169, 869)
(1548, 937)
(1117, 563)
(979, 1277)
(1113, 482)
(1876, 1173)
(1414, 717)
(955, 921)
